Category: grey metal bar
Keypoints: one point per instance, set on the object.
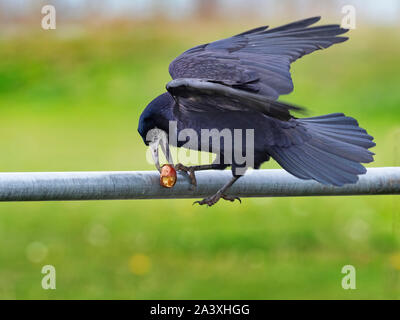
(40, 186)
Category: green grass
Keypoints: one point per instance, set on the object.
(73, 102)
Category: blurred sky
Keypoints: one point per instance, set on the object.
(372, 11)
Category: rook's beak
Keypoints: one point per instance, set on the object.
(160, 139)
(154, 153)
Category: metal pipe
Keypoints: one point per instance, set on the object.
(41, 186)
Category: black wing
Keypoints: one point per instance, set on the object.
(199, 95)
(257, 60)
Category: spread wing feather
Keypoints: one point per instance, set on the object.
(249, 70)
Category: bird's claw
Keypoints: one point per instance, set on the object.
(190, 171)
(210, 201)
(231, 198)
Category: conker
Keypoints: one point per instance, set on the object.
(167, 176)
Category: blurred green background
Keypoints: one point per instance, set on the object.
(70, 101)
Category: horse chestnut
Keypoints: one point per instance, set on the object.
(167, 176)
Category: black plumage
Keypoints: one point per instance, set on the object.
(234, 83)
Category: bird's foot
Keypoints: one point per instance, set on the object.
(231, 198)
(210, 201)
(190, 171)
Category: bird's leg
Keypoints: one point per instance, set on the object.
(191, 170)
(220, 194)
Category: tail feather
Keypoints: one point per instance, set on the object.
(361, 140)
(337, 118)
(334, 153)
(341, 148)
(318, 169)
(290, 164)
(336, 161)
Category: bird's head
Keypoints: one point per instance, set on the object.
(154, 125)
(155, 116)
